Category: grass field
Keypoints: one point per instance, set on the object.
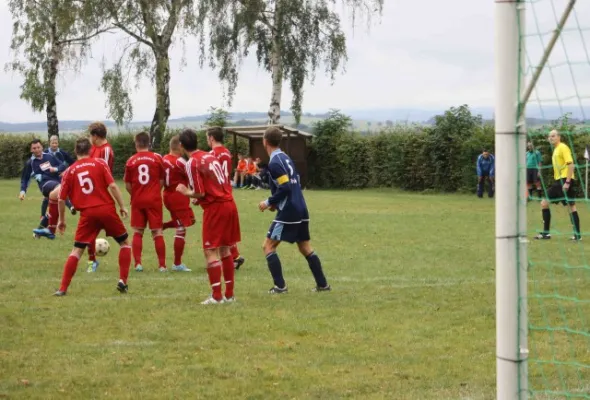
(411, 314)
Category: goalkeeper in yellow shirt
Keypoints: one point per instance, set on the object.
(563, 188)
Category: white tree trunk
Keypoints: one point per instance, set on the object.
(274, 112)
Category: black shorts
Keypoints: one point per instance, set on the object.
(48, 187)
(532, 175)
(289, 232)
(556, 195)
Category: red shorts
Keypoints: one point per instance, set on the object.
(93, 220)
(221, 225)
(141, 217)
(180, 209)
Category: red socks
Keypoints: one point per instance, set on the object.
(124, 262)
(214, 272)
(53, 214)
(234, 251)
(69, 271)
(227, 264)
(137, 247)
(92, 250)
(170, 224)
(179, 245)
(160, 250)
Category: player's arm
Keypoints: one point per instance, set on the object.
(492, 166)
(127, 179)
(569, 161)
(116, 193)
(64, 193)
(281, 176)
(478, 165)
(25, 178)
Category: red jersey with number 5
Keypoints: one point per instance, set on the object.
(105, 152)
(206, 176)
(144, 171)
(224, 157)
(86, 184)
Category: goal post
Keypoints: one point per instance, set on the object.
(510, 149)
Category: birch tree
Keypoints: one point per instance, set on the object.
(293, 38)
(49, 36)
(150, 26)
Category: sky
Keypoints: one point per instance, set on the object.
(418, 54)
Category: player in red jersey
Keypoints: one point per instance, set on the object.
(215, 141)
(91, 188)
(221, 224)
(144, 178)
(101, 148)
(177, 204)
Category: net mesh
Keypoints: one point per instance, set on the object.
(558, 269)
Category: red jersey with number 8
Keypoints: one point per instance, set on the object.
(144, 171)
(206, 175)
(86, 184)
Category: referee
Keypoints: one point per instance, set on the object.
(563, 188)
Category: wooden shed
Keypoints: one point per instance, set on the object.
(294, 143)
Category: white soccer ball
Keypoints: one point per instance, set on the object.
(102, 247)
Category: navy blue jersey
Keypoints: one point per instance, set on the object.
(38, 168)
(285, 188)
(61, 155)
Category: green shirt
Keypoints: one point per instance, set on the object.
(533, 159)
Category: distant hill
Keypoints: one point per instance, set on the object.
(363, 119)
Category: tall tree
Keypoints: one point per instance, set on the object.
(47, 36)
(150, 26)
(292, 39)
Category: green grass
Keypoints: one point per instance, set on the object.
(411, 315)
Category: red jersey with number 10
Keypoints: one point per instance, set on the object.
(224, 157)
(144, 171)
(86, 184)
(206, 176)
(105, 152)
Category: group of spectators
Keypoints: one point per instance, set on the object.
(251, 174)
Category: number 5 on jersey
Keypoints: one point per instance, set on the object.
(85, 182)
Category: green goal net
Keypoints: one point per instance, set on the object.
(556, 40)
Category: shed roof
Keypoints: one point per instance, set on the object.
(257, 131)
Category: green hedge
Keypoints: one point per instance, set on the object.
(14, 149)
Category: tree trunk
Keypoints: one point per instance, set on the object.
(50, 101)
(162, 113)
(276, 62)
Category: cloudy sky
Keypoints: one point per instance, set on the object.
(426, 54)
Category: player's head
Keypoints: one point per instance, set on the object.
(188, 140)
(142, 141)
(175, 145)
(485, 153)
(54, 142)
(272, 139)
(36, 147)
(529, 145)
(214, 136)
(554, 137)
(98, 132)
(82, 147)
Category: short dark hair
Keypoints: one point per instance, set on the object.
(216, 132)
(98, 129)
(35, 141)
(142, 140)
(188, 139)
(273, 136)
(83, 147)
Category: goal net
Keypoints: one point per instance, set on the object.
(543, 285)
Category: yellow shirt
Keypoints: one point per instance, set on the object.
(562, 157)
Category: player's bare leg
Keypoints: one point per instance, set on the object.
(315, 266)
(274, 266)
(160, 245)
(179, 243)
(70, 268)
(137, 248)
(227, 266)
(214, 273)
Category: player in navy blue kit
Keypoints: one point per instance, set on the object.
(46, 170)
(291, 223)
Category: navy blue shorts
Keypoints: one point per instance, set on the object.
(290, 233)
(48, 187)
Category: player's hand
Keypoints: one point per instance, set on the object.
(124, 213)
(262, 205)
(21, 196)
(195, 202)
(61, 227)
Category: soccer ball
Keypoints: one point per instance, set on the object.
(102, 247)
